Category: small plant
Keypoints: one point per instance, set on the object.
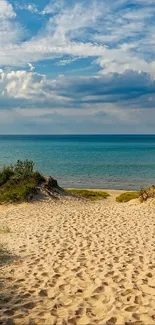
(91, 195)
(147, 193)
(23, 169)
(39, 179)
(5, 175)
(127, 196)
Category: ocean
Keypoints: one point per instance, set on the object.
(86, 161)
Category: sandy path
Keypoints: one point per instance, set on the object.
(79, 263)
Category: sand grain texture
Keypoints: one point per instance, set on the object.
(79, 263)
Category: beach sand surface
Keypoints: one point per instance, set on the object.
(79, 262)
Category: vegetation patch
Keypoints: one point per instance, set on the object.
(127, 196)
(147, 193)
(19, 182)
(91, 195)
(5, 255)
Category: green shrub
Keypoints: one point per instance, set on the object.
(91, 195)
(23, 169)
(127, 196)
(23, 191)
(5, 175)
(39, 179)
(19, 182)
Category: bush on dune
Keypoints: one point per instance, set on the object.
(23, 191)
(148, 193)
(23, 169)
(143, 195)
(5, 175)
(19, 182)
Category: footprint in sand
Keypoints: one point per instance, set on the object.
(99, 289)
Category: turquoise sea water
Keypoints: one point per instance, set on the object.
(94, 161)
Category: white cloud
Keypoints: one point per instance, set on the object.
(121, 37)
(31, 67)
(23, 84)
(73, 19)
(29, 87)
(65, 62)
(29, 97)
(30, 7)
(6, 10)
(56, 40)
(54, 6)
(2, 75)
(10, 30)
(132, 87)
(122, 59)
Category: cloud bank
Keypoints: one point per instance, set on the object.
(83, 67)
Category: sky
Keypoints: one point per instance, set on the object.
(77, 67)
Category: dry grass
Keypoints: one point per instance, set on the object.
(147, 193)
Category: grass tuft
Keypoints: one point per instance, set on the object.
(90, 195)
(127, 196)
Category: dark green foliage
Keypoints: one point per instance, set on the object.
(23, 191)
(5, 175)
(38, 178)
(127, 196)
(19, 182)
(23, 169)
(91, 195)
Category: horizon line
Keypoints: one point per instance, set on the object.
(71, 134)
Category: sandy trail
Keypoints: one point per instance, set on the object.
(79, 263)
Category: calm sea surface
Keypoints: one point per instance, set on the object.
(94, 161)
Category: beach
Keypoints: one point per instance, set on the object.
(79, 262)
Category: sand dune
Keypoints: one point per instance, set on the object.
(79, 262)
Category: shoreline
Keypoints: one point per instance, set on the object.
(98, 189)
(111, 197)
(113, 193)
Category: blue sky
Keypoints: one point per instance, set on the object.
(77, 67)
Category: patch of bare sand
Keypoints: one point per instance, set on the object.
(79, 263)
